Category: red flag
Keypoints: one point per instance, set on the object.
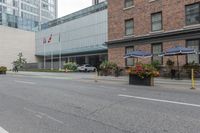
(50, 38)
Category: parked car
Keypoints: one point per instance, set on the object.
(86, 68)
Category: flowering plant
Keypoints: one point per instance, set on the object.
(143, 70)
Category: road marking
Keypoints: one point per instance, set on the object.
(159, 100)
(40, 115)
(25, 82)
(3, 130)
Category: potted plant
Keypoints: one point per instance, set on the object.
(3, 70)
(142, 74)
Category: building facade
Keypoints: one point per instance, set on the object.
(94, 2)
(27, 14)
(14, 41)
(154, 26)
(78, 37)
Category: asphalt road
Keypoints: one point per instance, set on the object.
(38, 105)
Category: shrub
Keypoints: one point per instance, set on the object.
(71, 66)
(170, 63)
(106, 65)
(20, 61)
(3, 70)
(108, 68)
(156, 64)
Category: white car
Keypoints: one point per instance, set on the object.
(86, 68)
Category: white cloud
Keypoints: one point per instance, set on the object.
(69, 6)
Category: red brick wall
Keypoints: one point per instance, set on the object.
(116, 55)
(173, 16)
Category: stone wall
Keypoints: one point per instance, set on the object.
(12, 42)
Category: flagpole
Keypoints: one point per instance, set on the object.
(60, 58)
(51, 60)
(44, 57)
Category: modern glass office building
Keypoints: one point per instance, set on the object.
(94, 2)
(27, 14)
(78, 37)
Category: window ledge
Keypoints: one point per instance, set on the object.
(127, 8)
(128, 36)
(191, 26)
(152, 0)
(156, 32)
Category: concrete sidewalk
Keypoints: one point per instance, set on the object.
(157, 80)
(92, 76)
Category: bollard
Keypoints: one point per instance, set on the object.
(96, 76)
(193, 80)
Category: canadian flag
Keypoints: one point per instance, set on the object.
(50, 38)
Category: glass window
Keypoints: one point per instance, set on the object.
(193, 14)
(194, 44)
(156, 21)
(129, 61)
(129, 25)
(156, 50)
(128, 3)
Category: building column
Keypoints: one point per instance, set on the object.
(86, 59)
(68, 59)
(20, 8)
(51, 61)
(44, 62)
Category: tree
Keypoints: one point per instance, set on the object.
(20, 62)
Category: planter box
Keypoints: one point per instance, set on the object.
(2, 73)
(136, 80)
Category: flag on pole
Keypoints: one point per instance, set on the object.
(50, 38)
(59, 38)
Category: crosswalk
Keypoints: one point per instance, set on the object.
(3, 130)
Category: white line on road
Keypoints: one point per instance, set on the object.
(40, 114)
(24, 82)
(159, 100)
(3, 130)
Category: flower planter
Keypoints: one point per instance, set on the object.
(136, 80)
(3, 70)
(2, 73)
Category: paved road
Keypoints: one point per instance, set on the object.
(30, 104)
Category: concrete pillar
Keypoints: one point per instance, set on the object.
(52, 61)
(68, 59)
(86, 60)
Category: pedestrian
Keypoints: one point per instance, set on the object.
(15, 69)
(173, 73)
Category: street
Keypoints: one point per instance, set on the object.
(34, 104)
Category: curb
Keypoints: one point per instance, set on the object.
(123, 79)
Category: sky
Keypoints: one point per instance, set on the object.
(69, 6)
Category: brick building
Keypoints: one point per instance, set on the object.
(154, 26)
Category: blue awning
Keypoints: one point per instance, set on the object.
(178, 51)
(138, 54)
